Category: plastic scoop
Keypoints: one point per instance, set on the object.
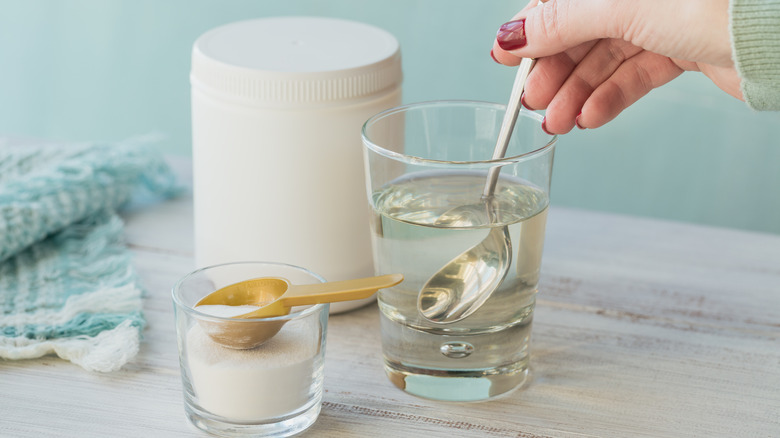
(275, 296)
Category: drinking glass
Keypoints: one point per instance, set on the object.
(272, 390)
(425, 164)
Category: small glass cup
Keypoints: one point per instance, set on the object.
(427, 167)
(273, 390)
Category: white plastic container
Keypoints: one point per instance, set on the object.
(277, 107)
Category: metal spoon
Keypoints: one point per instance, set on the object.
(463, 285)
(274, 296)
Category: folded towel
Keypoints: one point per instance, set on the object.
(67, 285)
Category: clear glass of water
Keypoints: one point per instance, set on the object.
(272, 390)
(425, 161)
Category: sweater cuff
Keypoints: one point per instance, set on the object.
(755, 39)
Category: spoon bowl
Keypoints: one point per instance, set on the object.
(462, 286)
(274, 297)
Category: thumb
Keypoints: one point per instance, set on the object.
(558, 25)
(655, 25)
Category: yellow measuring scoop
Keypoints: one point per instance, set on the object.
(275, 296)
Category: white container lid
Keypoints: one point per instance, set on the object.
(294, 60)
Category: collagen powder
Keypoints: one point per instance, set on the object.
(276, 379)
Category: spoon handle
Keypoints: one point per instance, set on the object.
(508, 123)
(301, 295)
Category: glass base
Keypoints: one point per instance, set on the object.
(283, 427)
(457, 385)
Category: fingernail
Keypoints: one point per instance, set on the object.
(544, 127)
(522, 102)
(511, 35)
(493, 56)
(577, 121)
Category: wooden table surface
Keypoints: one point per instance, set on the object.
(643, 328)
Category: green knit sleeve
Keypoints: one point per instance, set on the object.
(755, 36)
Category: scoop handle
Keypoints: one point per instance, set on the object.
(331, 292)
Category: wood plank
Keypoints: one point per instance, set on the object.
(643, 328)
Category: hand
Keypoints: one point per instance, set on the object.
(597, 57)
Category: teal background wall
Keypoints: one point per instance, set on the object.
(105, 70)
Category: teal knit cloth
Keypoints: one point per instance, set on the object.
(67, 285)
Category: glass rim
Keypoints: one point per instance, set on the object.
(432, 103)
(206, 316)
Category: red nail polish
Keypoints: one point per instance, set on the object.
(511, 35)
(544, 127)
(522, 102)
(493, 56)
(577, 121)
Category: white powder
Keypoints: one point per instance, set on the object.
(226, 311)
(275, 379)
